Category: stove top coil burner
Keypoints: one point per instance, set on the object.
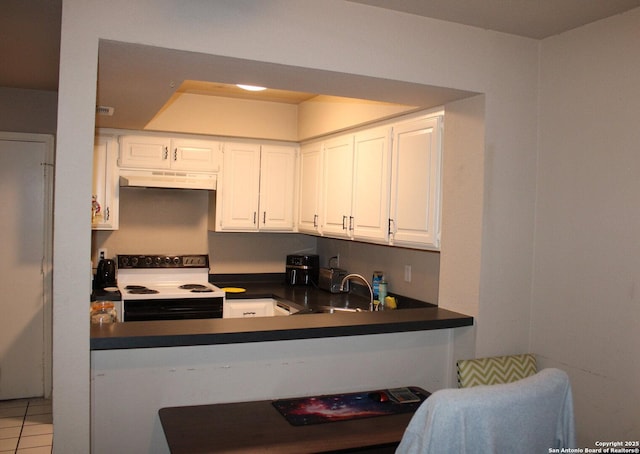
(140, 290)
(196, 288)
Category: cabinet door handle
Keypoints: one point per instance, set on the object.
(255, 214)
(264, 217)
(315, 220)
(350, 222)
(166, 153)
(244, 314)
(106, 214)
(344, 223)
(390, 230)
(175, 154)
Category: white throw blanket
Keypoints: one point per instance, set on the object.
(530, 415)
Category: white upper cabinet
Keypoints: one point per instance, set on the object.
(277, 188)
(310, 188)
(258, 188)
(105, 189)
(370, 202)
(239, 193)
(355, 186)
(159, 153)
(415, 183)
(337, 186)
(195, 154)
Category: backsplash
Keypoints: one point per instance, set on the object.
(364, 258)
(157, 221)
(239, 253)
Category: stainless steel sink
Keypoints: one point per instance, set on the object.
(335, 310)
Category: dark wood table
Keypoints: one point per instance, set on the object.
(252, 427)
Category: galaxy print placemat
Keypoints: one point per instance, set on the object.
(340, 407)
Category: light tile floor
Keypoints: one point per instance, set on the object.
(26, 426)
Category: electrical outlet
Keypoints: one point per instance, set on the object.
(407, 273)
(102, 253)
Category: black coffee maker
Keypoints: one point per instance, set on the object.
(302, 269)
(105, 274)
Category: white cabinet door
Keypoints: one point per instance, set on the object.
(415, 184)
(105, 193)
(160, 153)
(277, 188)
(196, 155)
(310, 188)
(371, 185)
(337, 187)
(258, 188)
(248, 308)
(145, 152)
(239, 191)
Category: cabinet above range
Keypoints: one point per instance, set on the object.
(162, 153)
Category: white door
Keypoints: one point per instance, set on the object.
(196, 155)
(145, 152)
(310, 187)
(240, 187)
(415, 183)
(25, 322)
(371, 185)
(277, 194)
(337, 187)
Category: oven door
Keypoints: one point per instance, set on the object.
(171, 309)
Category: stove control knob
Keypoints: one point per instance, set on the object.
(176, 260)
(124, 261)
(148, 260)
(134, 261)
(157, 261)
(167, 260)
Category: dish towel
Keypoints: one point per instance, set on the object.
(530, 415)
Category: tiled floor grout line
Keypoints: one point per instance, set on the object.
(24, 415)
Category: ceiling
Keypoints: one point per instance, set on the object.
(530, 18)
(30, 48)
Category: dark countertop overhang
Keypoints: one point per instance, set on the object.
(412, 315)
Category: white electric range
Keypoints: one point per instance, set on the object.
(167, 287)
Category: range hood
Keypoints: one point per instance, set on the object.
(168, 179)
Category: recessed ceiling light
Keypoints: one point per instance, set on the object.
(251, 87)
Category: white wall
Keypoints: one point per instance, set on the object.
(31, 111)
(256, 252)
(364, 259)
(331, 35)
(586, 300)
(214, 115)
(157, 221)
(166, 377)
(326, 114)
(462, 203)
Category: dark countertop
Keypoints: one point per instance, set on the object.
(411, 315)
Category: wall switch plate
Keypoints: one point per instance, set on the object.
(102, 253)
(407, 273)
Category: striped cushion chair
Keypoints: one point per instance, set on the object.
(495, 370)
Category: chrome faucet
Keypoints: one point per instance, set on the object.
(350, 276)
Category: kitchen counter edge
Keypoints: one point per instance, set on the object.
(181, 333)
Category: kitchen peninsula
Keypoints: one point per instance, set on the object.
(139, 367)
(312, 320)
